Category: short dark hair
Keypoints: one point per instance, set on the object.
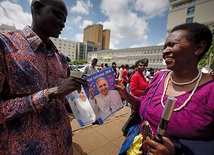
(197, 33)
(94, 59)
(126, 66)
(141, 61)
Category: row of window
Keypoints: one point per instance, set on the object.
(190, 11)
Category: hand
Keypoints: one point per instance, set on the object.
(155, 148)
(91, 91)
(121, 88)
(69, 85)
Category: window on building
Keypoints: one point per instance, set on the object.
(191, 10)
(189, 20)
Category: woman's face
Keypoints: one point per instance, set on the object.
(82, 95)
(141, 67)
(178, 51)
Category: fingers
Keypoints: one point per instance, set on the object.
(167, 148)
(81, 81)
(71, 84)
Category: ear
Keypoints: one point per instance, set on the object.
(37, 6)
(200, 48)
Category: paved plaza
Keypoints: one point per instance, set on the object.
(105, 139)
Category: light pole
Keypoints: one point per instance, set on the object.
(210, 58)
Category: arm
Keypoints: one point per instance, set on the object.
(18, 106)
(85, 72)
(127, 96)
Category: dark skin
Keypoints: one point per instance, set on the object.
(49, 17)
(181, 57)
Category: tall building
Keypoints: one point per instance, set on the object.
(106, 39)
(188, 11)
(96, 35)
(67, 47)
(84, 48)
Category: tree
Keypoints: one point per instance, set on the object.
(204, 62)
(77, 62)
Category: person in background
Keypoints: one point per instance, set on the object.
(106, 65)
(124, 75)
(101, 66)
(191, 126)
(145, 62)
(116, 70)
(34, 82)
(90, 69)
(131, 72)
(138, 82)
(150, 75)
(120, 72)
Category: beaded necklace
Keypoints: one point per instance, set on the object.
(185, 83)
(187, 100)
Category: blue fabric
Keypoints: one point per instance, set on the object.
(80, 122)
(133, 132)
(190, 147)
(100, 120)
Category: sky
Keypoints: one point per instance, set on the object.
(133, 23)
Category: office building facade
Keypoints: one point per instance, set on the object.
(67, 47)
(84, 48)
(7, 27)
(188, 11)
(130, 56)
(96, 35)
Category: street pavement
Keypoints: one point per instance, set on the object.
(105, 139)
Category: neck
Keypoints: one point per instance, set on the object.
(41, 35)
(184, 76)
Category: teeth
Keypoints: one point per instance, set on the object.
(167, 58)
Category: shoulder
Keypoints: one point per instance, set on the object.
(97, 96)
(86, 67)
(7, 35)
(114, 93)
(159, 74)
(136, 74)
(207, 81)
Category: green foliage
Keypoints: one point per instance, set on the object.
(78, 62)
(205, 60)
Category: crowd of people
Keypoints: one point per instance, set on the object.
(35, 78)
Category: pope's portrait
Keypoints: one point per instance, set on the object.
(107, 101)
